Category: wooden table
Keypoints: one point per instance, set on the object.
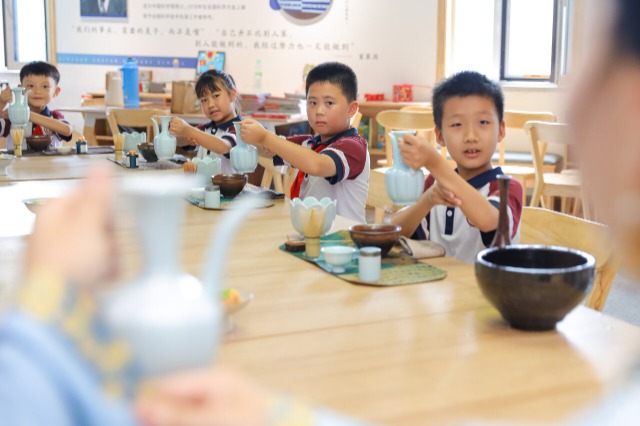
(434, 353)
(50, 167)
(61, 167)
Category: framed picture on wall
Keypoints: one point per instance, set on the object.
(103, 8)
(209, 60)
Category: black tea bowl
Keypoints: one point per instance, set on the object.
(534, 287)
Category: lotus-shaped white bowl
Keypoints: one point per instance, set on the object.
(301, 209)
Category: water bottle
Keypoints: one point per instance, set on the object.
(257, 77)
(130, 83)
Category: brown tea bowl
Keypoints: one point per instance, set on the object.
(38, 143)
(148, 152)
(230, 184)
(383, 236)
(534, 287)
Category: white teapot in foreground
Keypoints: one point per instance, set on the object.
(171, 320)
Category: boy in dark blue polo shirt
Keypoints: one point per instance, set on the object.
(459, 209)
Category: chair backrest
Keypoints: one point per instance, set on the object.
(403, 120)
(516, 120)
(548, 227)
(355, 120)
(542, 134)
(134, 118)
(418, 108)
(281, 177)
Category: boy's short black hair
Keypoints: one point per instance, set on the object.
(335, 73)
(466, 83)
(40, 68)
(626, 31)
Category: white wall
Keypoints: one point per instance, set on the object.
(400, 35)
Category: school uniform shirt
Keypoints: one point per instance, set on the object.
(350, 185)
(224, 131)
(32, 129)
(450, 228)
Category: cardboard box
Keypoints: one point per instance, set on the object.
(183, 97)
(402, 93)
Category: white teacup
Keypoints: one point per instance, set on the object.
(337, 257)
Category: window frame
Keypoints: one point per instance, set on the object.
(555, 47)
(10, 63)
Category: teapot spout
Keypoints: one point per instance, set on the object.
(394, 135)
(219, 243)
(239, 140)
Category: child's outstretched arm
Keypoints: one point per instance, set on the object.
(301, 158)
(479, 211)
(185, 132)
(58, 126)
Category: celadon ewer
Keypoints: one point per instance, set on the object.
(244, 157)
(164, 144)
(170, 320)
(404, 184)
(19, 110)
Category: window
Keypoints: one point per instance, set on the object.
(510, 40)
(528, 40)
(25, 32)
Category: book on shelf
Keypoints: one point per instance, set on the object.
(266, 115)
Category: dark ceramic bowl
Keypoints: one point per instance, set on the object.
(383, 236)
(148, 152)
(38, 143)
(534, 287)
(230, 184)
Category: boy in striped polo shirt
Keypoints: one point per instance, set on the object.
(459, 208)
(335, 162)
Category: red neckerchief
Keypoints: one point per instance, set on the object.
(297, 182)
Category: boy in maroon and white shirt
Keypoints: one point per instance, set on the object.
(41, 79)
(459, 208)
(335, 162)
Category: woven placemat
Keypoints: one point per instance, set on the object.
(397, 268)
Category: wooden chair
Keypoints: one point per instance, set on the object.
(356, 119)
(547, 227)
(549, 185)
(403, 120)
(418, 108)
(516, 120)
(281, 177)
(139, 119)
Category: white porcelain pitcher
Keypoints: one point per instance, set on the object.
(171, 320)
(164, 144)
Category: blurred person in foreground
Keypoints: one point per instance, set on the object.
(59, 366)
(605, 125)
